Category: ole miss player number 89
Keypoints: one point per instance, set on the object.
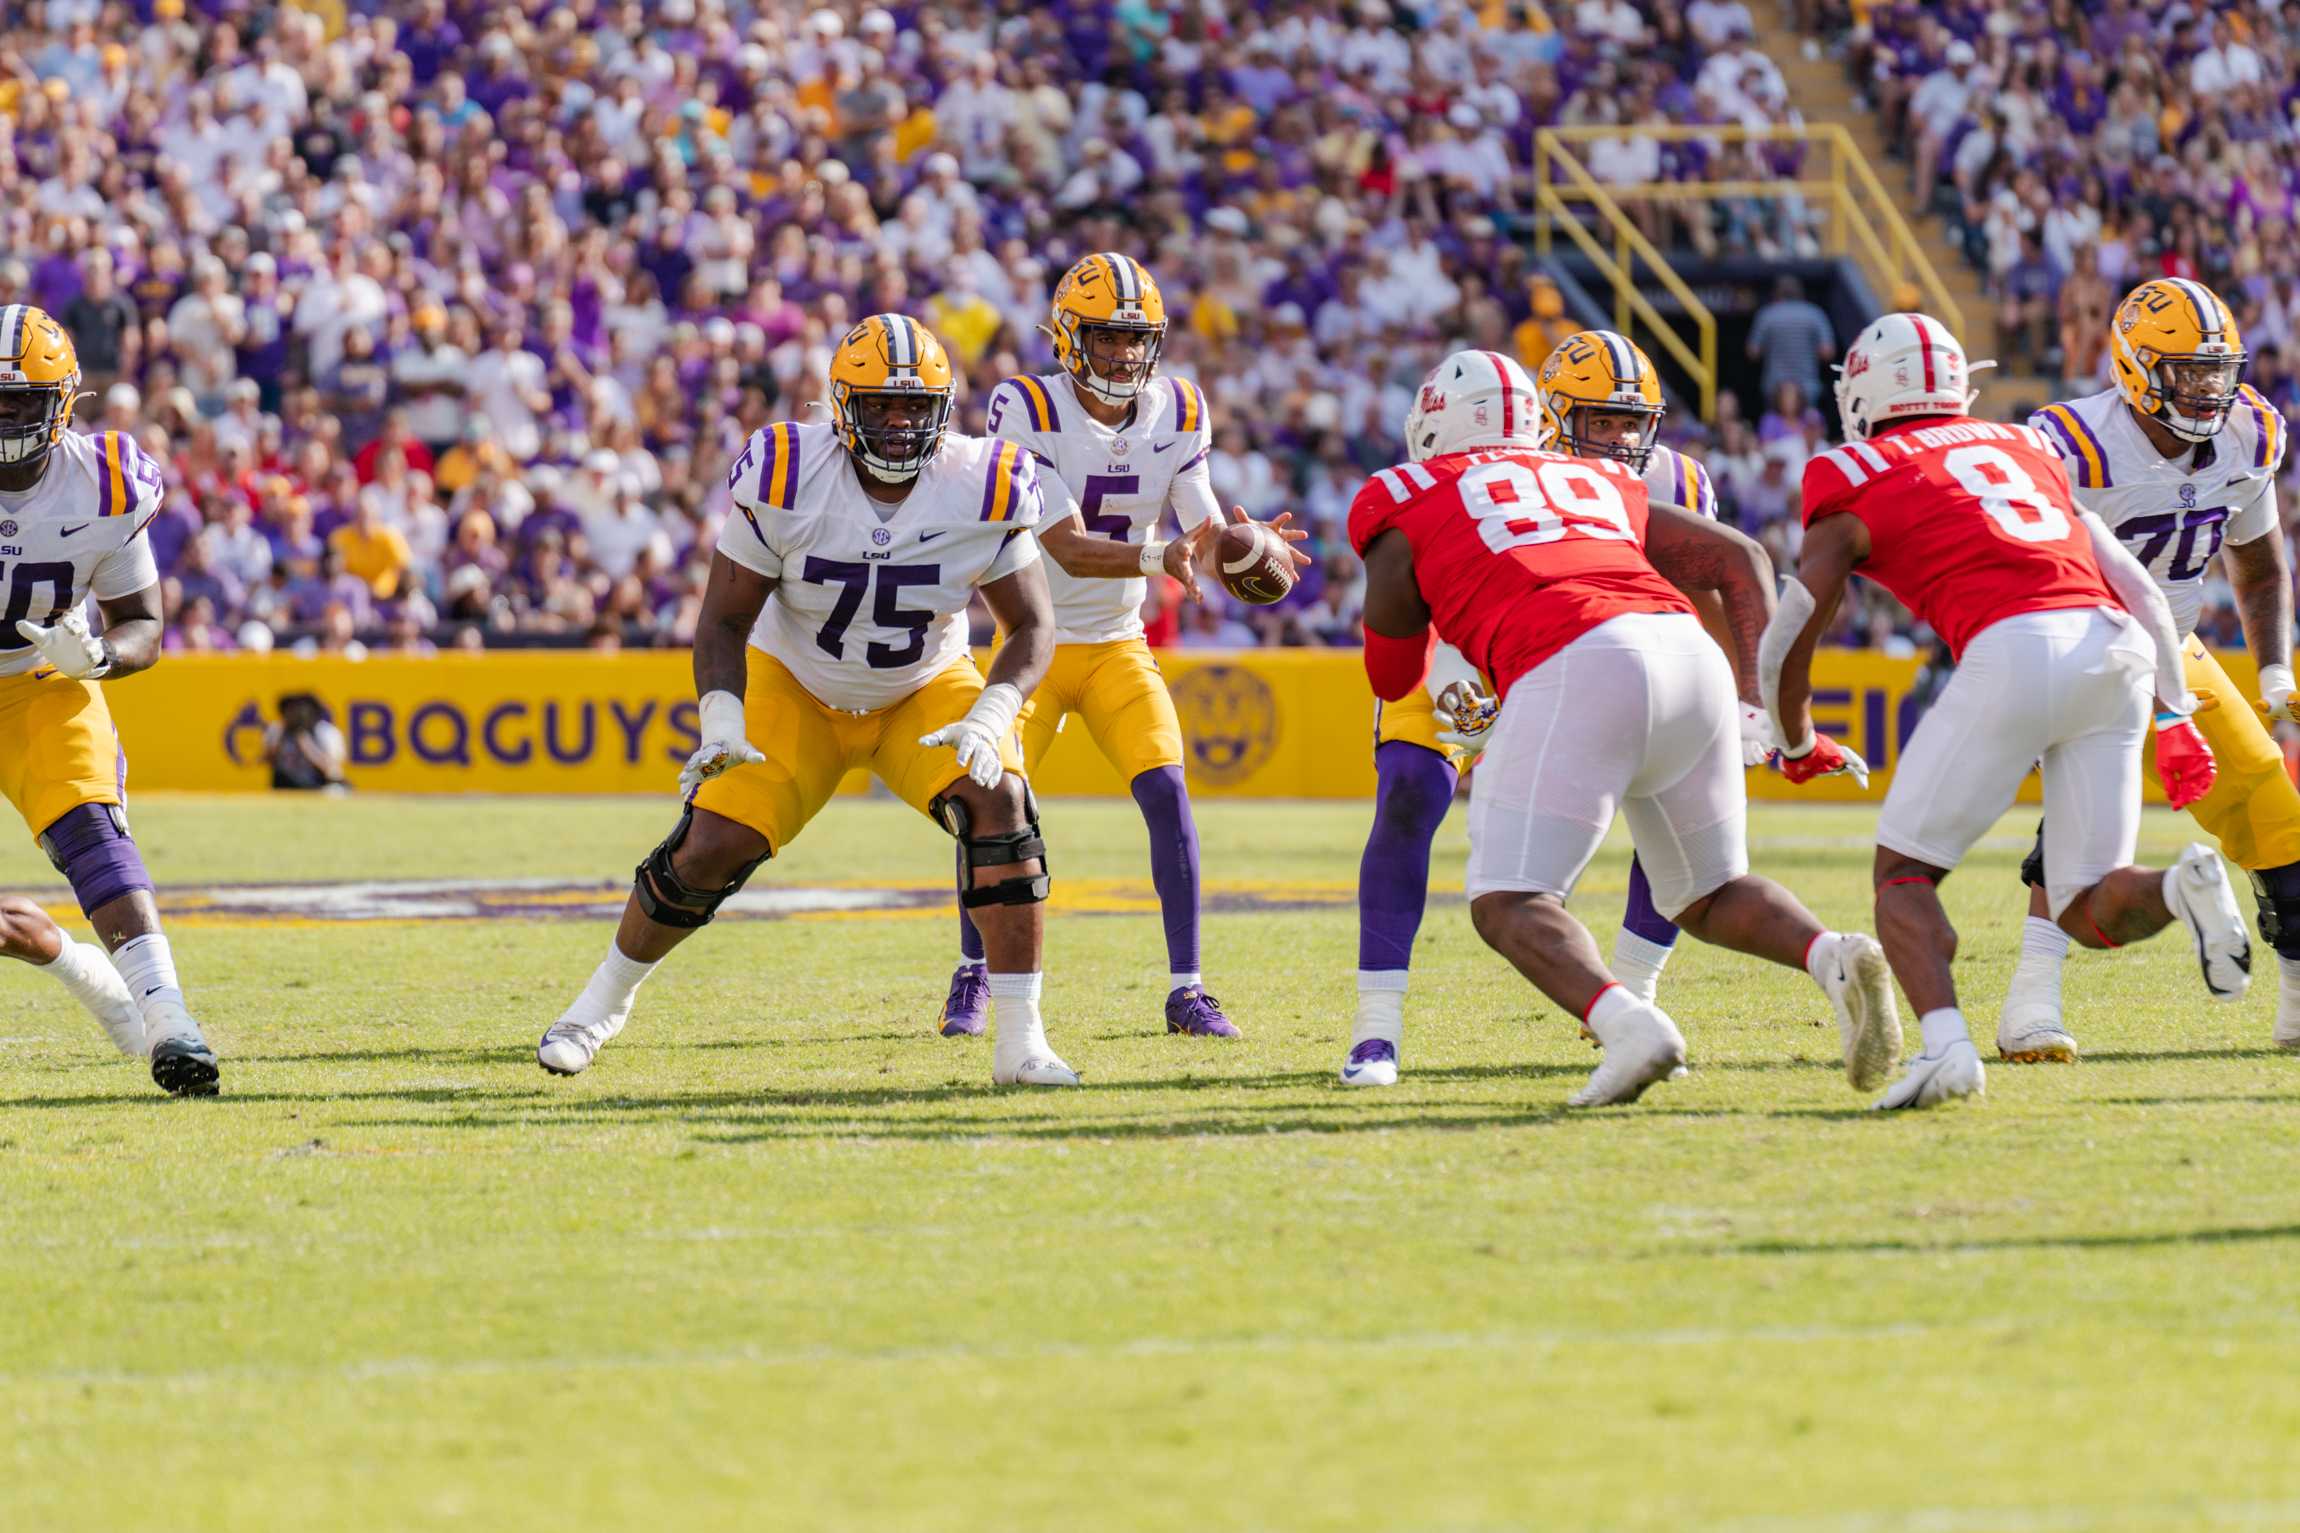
(1519, 505)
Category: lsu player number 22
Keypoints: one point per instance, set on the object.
(1116, 444)
(832, 638)
(73, 510)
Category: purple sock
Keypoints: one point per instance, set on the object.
(1639, 916)
(1173, 860)
(969, 940)
(1414, 787)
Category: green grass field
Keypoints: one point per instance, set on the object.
(783, 1259)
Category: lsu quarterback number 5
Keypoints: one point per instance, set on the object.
(1521, 507)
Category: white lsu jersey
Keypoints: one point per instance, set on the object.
(79, 531)
(2172, 513)
(1674, 479)
(1117, 480)
(870, 599)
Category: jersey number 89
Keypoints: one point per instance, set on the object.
(1517, 506)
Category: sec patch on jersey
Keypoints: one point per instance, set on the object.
(1254, 563)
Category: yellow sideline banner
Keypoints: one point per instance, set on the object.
(1259, 724)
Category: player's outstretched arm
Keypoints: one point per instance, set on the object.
(1399, 638)
(132, 628)
(1084, 556)
(1808, 604)
(1024, 608)
(2261, 575)
(731, 603)
(1697, 555)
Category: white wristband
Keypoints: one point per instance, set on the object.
(996, 708)
(719, 716)
(1153, 557)
(2273, 677)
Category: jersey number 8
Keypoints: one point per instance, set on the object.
(2011, 498)
(1517, 506)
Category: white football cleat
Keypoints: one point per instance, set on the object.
(571, 1043)
(2287, 1033)
(1859, 985)
(1372, 1062)
(1932, 1079)
(2032, 1033)
(2196, 887)
(1646, 1048)
(1038, 1070)
(182, 1063)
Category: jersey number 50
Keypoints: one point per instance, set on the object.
(1517, 506)
(24, 579)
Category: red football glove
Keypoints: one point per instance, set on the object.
(2183, 762)
(1824, 757)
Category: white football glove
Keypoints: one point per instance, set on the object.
(723, 747)
(68, 646)
(2276, 704)
(976, 737)
(1758, 738)
(1465, 717)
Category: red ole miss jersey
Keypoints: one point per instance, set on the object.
(1518, 552)
(1970, 522)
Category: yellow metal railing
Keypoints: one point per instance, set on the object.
(1860, 223)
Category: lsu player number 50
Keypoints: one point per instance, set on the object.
(73, 510)
(2180, 459)
(832, 638)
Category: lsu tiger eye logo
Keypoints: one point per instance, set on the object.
(2129, 318)
(1230, 717)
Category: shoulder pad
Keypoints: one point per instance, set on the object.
(2267, 424)
(767, 473)
(2074, 440)
(1024, 404)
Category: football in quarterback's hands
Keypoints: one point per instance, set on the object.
(1254, 563)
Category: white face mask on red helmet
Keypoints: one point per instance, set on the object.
(1901, 367)
(1473, 399)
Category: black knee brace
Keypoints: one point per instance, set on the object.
(2278, 891)
(669, 900)
(995, 851)
(2032, 866)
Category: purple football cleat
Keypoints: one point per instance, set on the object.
(1371, 1063)
(965, 1011)
(1191, 1010)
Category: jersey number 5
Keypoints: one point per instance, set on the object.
(2011, 498)
(57, 577)
(1518, 507)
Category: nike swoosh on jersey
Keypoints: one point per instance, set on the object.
(929, 537)
(1161, 446)
(68, 531)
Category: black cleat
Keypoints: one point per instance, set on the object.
(185, 1068)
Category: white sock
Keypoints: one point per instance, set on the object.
(81, 967)
(1820, 954)
(2287, 977)
(1190, 981)
(1638, 961)
(2043, 950)
(1613, 1003)
(613, 987)
(1381, 1007)
(1019, 1033)
(968, 961)
(1942, 1028)
(150, 970)
(2172, 900)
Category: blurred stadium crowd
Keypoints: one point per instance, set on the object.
(2079, 149)
(446, 316)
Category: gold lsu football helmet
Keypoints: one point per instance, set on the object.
(1603, 371)
(891, 395)
(39, 384)
(1107, 292)
(2178, 356)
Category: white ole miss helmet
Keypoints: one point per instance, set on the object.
(1473, 399)
(1903, 365)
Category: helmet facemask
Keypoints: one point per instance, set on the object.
(32, 416)
(1104, 367)
(1596, 431)
(892, 432)
(2195, 394)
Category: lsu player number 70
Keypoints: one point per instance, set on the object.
(73, 510)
